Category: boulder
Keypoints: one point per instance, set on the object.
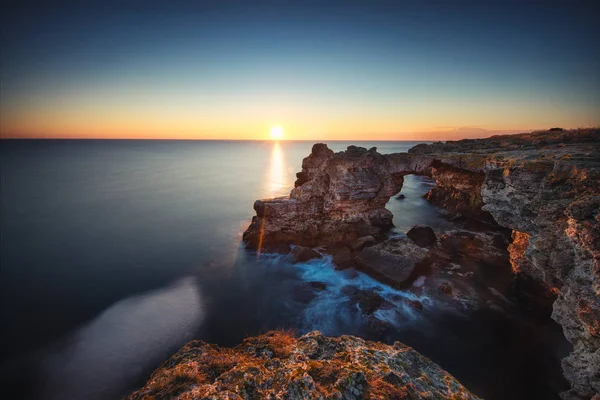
(303, 254)
(362, 242)
(423, 236)
(392, 260)
(342, 257)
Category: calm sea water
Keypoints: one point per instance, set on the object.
(116, 253)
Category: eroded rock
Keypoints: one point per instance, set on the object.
(543, 186)
(423, 236)
(338, 198)
(303, 254)
(313, 366)
(393, 260)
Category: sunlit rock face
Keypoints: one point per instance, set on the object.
(458, 191)
(544, 186)
(338, 198)
(279, 366)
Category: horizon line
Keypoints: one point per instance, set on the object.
(452, 135)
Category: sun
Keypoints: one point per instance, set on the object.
(276, 132)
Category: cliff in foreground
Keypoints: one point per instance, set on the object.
(277, 365)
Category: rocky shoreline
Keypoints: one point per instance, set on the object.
(535, 198)
(525, 205)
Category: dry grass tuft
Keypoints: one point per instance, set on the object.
(175, 381)
(381, 390)
(326, 372)
(281, 342)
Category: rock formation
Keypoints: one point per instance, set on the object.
(423, 236)
(279, 366)
(338, 198)
(544, 186)
(392, 260)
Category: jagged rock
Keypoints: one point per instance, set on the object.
(475, 248)
(338, 198)
(313, 366)
(342, 257)
(458, 191)
(542, 185)
(393, 260)
(360, 243)
(423, 236)
(303, 254)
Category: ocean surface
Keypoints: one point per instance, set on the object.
(116, 253)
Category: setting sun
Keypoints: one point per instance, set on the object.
(276, 132)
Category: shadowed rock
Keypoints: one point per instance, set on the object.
(303, 254)
(423, 236)
(393, 260)
(362, 242)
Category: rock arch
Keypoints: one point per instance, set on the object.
(545, 186)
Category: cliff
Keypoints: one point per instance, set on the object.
(279, 366)
(544, 186)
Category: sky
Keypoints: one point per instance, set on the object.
(364, 70)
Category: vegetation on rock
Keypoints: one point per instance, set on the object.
(278, 365)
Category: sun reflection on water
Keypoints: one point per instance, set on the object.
(276, 184)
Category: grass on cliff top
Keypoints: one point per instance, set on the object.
(269, 364)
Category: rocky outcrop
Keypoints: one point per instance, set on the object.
(338, 198)
(423, 236)
(544, 186)
(392, 260)
(279, 366)
(458, 192)
(303, 254)
(552, 205)
(475, 248)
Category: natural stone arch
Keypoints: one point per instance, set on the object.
(542, 185)
(341, 197)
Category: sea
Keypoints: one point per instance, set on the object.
(115, 253)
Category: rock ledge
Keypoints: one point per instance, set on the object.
(277, 365)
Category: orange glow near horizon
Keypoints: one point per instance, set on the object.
(355, 74)
(97, 114)
(185, 130)
(95, 121)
